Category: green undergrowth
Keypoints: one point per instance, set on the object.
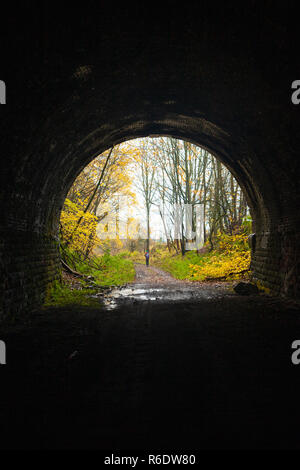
(60, 294)
(101, 271)
(177, 265)
(106, 270)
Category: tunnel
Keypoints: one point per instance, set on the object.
(214, 370)
(79, 82)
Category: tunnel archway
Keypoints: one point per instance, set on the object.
(220, 98)
(59, 177)
(52, 182)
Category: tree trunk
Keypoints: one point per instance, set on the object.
(148, 230)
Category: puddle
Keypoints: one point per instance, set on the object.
(132, 292)
(140, 293)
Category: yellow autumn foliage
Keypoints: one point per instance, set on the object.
(230, 258)
(78, 238)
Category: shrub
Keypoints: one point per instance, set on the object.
(230, 257)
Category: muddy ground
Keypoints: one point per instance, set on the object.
(162, 364)
(153, 284)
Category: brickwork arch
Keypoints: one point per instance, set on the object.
(82, 89)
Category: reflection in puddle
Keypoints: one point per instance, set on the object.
(129, 292)
(136, 294)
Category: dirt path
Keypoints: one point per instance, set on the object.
(152, 284)
(153, 276)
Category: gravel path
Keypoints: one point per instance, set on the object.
(152, 276)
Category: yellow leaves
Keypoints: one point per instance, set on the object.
(263, 288)
(85, 233)
(221, 267)
(235, 242)
(232, 256)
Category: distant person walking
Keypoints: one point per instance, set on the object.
(147, 256)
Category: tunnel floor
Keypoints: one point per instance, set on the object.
(155, 285)
(210, 372)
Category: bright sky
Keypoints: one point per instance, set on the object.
(138, 211)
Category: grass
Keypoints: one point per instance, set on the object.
(177, 265)
(108, 270)
(60, 295)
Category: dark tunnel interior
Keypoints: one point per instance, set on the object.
(82, 79)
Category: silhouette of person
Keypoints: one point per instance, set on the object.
(147, 256)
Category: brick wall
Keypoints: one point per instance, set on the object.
(276, 261)
(28, 263)
(265, 261)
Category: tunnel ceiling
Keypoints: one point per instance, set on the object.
(94, 81)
